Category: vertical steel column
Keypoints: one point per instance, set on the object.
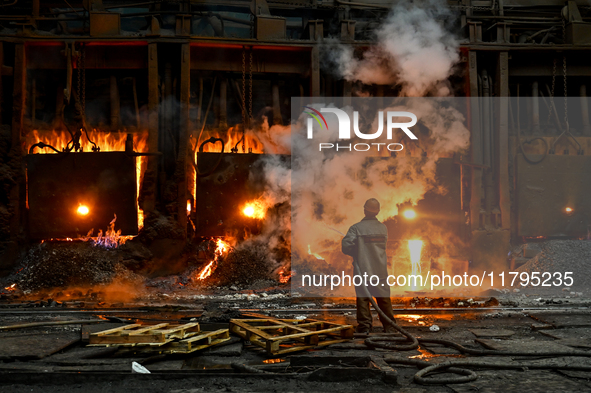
(19, 93)
(184, 159)
(535, 93)
(347, 91)
(277, 119)
(1, 63)
(585, 110)
(476, 194)
(151, 175)
(315, 71)
(502, 161)
(223, 108)
(115, 104)
(17, 192)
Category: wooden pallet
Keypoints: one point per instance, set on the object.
(279, 336)
(195, 343)
(135, 334)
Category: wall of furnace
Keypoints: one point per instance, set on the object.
(153, 70)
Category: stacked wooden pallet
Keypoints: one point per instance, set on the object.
(280, 336)
(162, 338)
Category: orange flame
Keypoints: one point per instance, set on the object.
(107, 141)
(110, 239)
(11, 288)
(232, 138)
(221, 248)
(284, 277)
(273, 361)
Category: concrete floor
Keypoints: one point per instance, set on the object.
(48, 359)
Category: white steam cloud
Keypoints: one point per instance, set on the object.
(327, 189)
(414, 50)
(331, 188)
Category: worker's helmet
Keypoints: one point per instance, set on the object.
(372, 205)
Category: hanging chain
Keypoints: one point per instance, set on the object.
(83, 97)
(553, 78)
(563, 30)
(246, 116)
(243, 89)
(565, 94)
(552, 92)
(79, 75)
(249, 98)
(564, 78)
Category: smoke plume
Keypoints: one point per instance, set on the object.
(415, 50)
(330, 189)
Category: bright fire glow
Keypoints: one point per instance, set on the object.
(207, 271)
(11, 288)
(409, 317)
(569, 209)
(272, 361)
(188, 207)
(107, 141)
(231, 137)
(284, 277)
(221, 248)
(409, 214)
(83, 210)
(415, 246)
(255, 209)
(314, 254)
(110, 239)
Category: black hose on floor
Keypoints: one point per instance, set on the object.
(452, 366)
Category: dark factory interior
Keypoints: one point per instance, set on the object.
(159, 214)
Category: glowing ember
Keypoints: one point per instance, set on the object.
(284, 277)
(188, 207)
(569, 210)
(11, 288)
(255, 209)
(409, 317)
(415, 246)
(107, 141)
(314, 254)
(83, 210)
(221, 248)
(273, 361)
(409, 214)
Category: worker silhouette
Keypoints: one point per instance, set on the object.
(366, 243)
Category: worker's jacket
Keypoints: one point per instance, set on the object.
(366, 243)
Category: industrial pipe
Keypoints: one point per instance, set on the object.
(223, 108)
(277, 119)
(115, 104)
(487, 143)
(585, 110)
(535, 93)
